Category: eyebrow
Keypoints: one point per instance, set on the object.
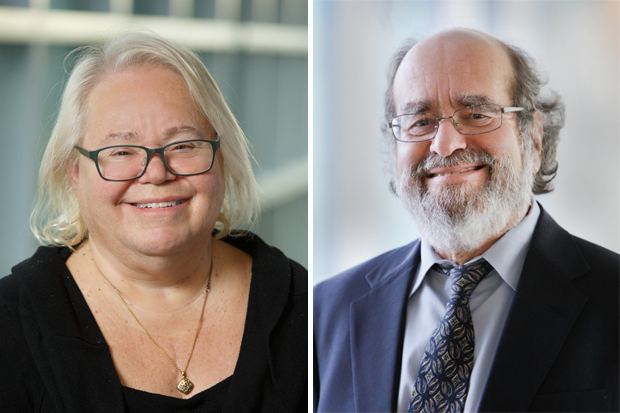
(464, 99)
(118, 136)
(182, 129)
(114, 137)
(417, 106)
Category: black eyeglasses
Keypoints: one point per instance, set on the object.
(127, 162)
(472, 120)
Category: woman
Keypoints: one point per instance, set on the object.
(144, 299)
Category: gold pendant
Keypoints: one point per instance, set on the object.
(185, 386)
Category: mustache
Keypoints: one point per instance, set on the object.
(460, 156)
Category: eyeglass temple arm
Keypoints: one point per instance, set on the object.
(512, 109)
(89, 154)
(516, 109)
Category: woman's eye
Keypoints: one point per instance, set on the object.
(183, 147)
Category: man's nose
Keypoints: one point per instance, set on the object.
(448, 139)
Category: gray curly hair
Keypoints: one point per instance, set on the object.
(526, 91)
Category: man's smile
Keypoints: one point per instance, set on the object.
(453, 170)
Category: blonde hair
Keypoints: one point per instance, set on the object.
(56, 218)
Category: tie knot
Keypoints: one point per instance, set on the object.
(464, 278)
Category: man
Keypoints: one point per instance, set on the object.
(496, 308)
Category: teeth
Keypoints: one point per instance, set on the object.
(457, 172)
(159, 204)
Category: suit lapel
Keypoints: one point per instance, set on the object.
(543, 311)
(377, 322)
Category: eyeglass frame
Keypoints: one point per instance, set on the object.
(507, 109)
(94, 155)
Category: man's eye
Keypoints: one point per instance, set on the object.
(421, 123)
(478, 116)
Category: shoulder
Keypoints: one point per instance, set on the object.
(601, 281)
(570, 253)
(357, 281)
(10, 322)
(31, 283)
(278, 309)
(9, 294)
(279, 287)
(593, 271)
(20, 384)
(332, 298)
(36, 271)
(271, 262)
(598, 257)
(44, 262)
(18, 373)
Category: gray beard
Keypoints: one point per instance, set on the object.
(459, 218)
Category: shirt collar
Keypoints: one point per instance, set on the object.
(506, 255)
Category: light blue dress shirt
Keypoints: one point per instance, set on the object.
(489, 306)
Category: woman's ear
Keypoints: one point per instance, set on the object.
(73, 172)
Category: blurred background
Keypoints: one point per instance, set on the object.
(256, 50)
(576, 43)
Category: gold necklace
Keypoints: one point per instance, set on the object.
(185, 385)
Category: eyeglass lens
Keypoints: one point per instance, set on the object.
(127, 162)
(469, 121)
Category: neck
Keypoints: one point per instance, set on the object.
(461, 257)
(155, 283)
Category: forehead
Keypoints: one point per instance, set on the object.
(443, 69)
(147, 80)
(140, 101)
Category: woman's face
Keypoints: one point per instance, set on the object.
(151, 107)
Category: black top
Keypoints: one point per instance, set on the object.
(210, 400)
(53, 357)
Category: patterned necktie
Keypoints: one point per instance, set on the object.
(443, 379)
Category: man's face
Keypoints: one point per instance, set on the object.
(440, 76)
(456, 176)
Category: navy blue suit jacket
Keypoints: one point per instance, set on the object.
(558, 350)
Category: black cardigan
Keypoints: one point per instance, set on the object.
(53, 357)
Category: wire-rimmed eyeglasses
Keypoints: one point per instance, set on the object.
(472, 120)
(127, 162)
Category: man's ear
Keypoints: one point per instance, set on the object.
(73, 172)
(537, 136)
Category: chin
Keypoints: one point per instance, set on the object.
(468, 187)
(160, 243)
(455, 198)
(462, 216)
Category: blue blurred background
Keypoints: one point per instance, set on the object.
(257, 51)
(576, 43)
